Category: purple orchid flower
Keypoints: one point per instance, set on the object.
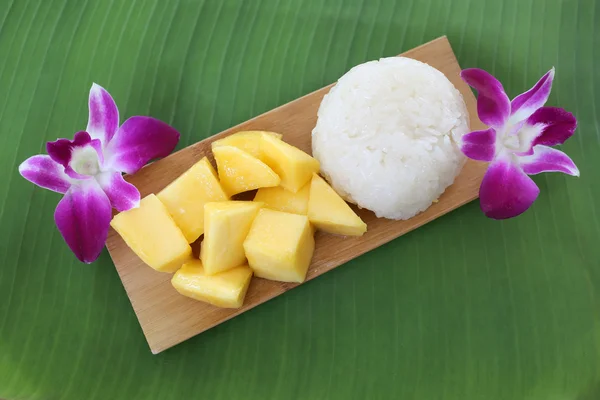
(88, 171)
(517, 143)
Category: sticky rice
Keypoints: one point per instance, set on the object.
(387, 135)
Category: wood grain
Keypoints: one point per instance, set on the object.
(168, 318)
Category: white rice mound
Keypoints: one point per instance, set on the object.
(387, 135)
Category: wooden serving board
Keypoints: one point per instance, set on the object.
(168, 318)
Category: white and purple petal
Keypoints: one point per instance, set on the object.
(506, 191)
(547, 159)
(122, 194)
(480, 145)
(45, 172)
(139, 140)
(525, 104)
(493, 105)
(103, 120)
(557, 125)
(83, 218)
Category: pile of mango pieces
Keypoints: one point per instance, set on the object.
(271, 237)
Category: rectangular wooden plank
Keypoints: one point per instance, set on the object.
(168, 318)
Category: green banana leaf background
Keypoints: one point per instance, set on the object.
(462, 308)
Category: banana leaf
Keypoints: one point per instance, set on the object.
(462, 308)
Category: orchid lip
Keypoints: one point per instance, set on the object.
(512, 143)
(84, 161)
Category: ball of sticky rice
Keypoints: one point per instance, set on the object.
(387, 134)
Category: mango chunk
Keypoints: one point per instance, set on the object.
(280, 199)
(239, 171)
(280, 246)
(185, 197)
(249, 141)
(226, 225)
(151, 233)
(330, 213)
(294, 167)
(226, 289)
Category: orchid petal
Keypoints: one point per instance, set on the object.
(80, 151)
(103, 120)
(139, 140)
(506, 191)
(524, 105)
(83, 218)
(493, 105)
(45, 172)
(557, 125)
(547, 159)
(480, 145)
(122, 194)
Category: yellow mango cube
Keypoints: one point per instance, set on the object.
(280, 199)
(151, 233)
(249, 141)
(226, 289)
(280, 246)
(185, 197)
(239, 171)
(330, 213)
(226, 225)
(294, 167)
